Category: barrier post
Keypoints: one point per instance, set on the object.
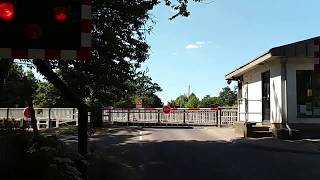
(159, 116)
(49, 117)
(220, 117)
(8, 113)
(184, 116)
(128, 115)
(110, 114)
(217, 117)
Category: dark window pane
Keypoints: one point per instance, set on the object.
(304, 93)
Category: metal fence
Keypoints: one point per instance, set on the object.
(46, 117)
(186, 116)
(55, 117)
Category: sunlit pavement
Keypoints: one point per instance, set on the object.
(200, 153)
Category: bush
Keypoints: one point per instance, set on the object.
(46, 159)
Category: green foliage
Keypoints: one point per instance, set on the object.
(112, 76)
(227, 97)
(181, 101)
(46, 95)
(208, 101)
(193, 101)
(14, 87)
(47, 158)
(54, 161)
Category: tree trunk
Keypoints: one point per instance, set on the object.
(53, 78)
(28, 91)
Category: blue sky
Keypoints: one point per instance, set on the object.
(216, 38)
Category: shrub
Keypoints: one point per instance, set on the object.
(46, 159)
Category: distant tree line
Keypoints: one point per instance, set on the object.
(46, 95)
(227, 97)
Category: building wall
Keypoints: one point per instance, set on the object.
(293, 65)
(252, 90)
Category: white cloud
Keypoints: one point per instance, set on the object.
(200, 43)
(196, 45)
(193, 46)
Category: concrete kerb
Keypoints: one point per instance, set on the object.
(276, 145)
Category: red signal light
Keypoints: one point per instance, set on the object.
(60, 13)
(6, 10)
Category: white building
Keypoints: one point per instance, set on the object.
(282, 86)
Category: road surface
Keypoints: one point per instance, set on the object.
(200, 154)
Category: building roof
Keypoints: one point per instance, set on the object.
(303, 48)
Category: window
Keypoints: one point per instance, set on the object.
(308, 93)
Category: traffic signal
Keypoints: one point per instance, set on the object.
(49, 25)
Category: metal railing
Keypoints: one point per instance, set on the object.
(187, 116)
(55, 117)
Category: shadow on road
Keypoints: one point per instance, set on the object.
(194, 159)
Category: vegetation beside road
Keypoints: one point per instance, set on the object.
(226, 98)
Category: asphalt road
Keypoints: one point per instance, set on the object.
(203, 153)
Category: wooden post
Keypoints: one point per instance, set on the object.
(128, 114)
(159, 116)
(184, 116)
(217, 117)
(220, 117)
(110, 114)
(49, 117)
(8, 110)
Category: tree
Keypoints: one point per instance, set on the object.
(146, 89)
(181, 101)
(228, 97)
(193, 101)
(152, 100)
(142, 87)
(46, 95)
(208, 101)
(118, 48)
(14, 86)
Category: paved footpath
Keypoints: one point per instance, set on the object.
(205, 153)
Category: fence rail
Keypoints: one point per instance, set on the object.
(187, 116)
(46, 117)
(55, 117)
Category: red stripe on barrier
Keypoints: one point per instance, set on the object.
(193, 109)
(174, 109)
(86, 25)
(84, 53)
(20, 53)
(317, 42)
(52, 54)
(150, 109)
(316, 54)
(86, 2)
(216, 108)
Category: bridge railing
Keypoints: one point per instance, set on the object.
(189, 116)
